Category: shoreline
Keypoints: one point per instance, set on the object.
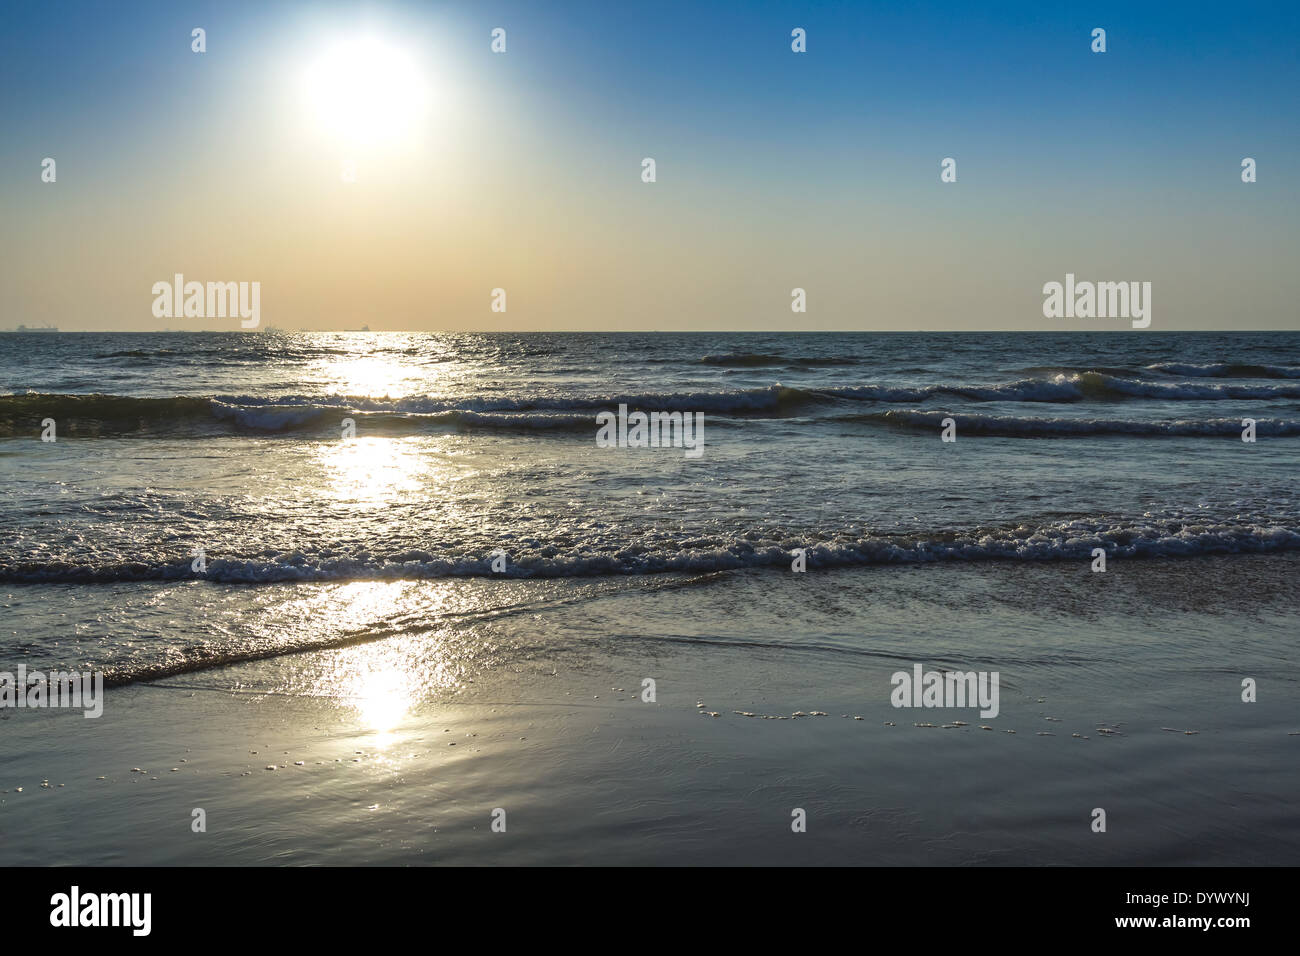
(587, 772)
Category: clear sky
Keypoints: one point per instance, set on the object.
(523, 170)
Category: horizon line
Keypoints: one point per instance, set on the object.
(647, 331)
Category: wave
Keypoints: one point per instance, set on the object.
(137, 353)
(22, 414)
(759, 360)
(82, 416)
(1065, 540)
(1226, 370)
(1117, 371)
(772, 398)
(291, 418)
(205, 657)
(1015, 426)
(1099, 385)
(92, 415)
(97, 415)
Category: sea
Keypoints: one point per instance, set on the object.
(212, 467)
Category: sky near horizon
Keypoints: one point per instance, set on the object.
(775, 170)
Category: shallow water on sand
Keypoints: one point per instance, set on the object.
(410, 739)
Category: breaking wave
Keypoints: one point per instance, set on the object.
(93, 415)
(1074, 539)
(1014, 426)
(1226, 370)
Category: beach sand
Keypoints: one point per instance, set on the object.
(546, 722)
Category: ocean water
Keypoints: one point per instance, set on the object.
(469, 444)
(348, 625)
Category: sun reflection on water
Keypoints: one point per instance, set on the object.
(372, 470)
(406, 651)
(372, 372)
(383, 700)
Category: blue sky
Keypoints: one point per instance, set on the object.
(775, 170)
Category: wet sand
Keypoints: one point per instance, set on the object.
(1139, 715)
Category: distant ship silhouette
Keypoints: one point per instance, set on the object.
(34, 328)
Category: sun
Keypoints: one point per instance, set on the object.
(365, 91)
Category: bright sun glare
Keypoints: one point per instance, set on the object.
(365, 91)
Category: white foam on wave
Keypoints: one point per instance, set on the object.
(270, 417)
(1225, 369)
(1140, 538)
(1023, 426)
(765, 398)
(273, 418)
(1174, 391)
